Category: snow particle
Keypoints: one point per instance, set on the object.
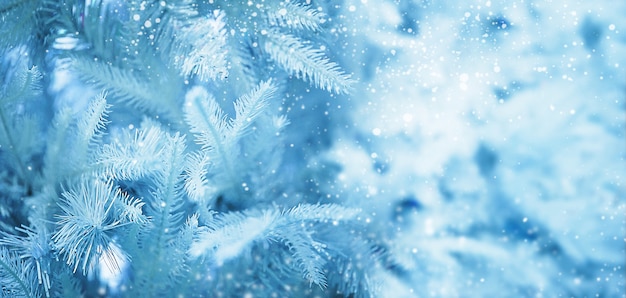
(352, 8)
(376, 131)
(282, 11)
(136, 17)
(147, 24)
(612, 27)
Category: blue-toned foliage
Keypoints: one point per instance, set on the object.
(16, 279)
(312, 148)
(132, 176)
(88, 221)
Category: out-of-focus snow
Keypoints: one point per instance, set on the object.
(489, 143)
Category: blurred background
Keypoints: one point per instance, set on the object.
(485, 141)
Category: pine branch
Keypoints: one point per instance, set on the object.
(15, 279)
(183, 241)
(128, 87)
(306, 251)
(19, 137)
(207, 120)
(321, 212)
(92, 123)
(85, 226)
(210, 125)
(245, 71)
(226, 236)
(264, 154)
(130, 209)
(80, 143)
(305, 62)
(190, 43)
(171, 15)
(169, 194)
(62, 18)
(25, 83)
(294, 16)
(18, 133)
(200, 49)
(92, 26)
(18, 22)
(221, 138)
(103, 32)
(249, 107)
(159, 263)
(65, 284)
(197, 185)
(133, 157)
(34, 249)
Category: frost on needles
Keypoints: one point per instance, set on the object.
(126, 173)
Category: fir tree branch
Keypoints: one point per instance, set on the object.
(226, 236)
(18, 22)
(132, 157)
(14, 277)
(305, 251)
(25, 84)
(162, 259)
(34, 249)
(306, 62)
(85, 226)
(127, 86)
(294, 15)
(249, 107)
(201, 49)
(209, 124)
(196, 184)
(92, 122)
